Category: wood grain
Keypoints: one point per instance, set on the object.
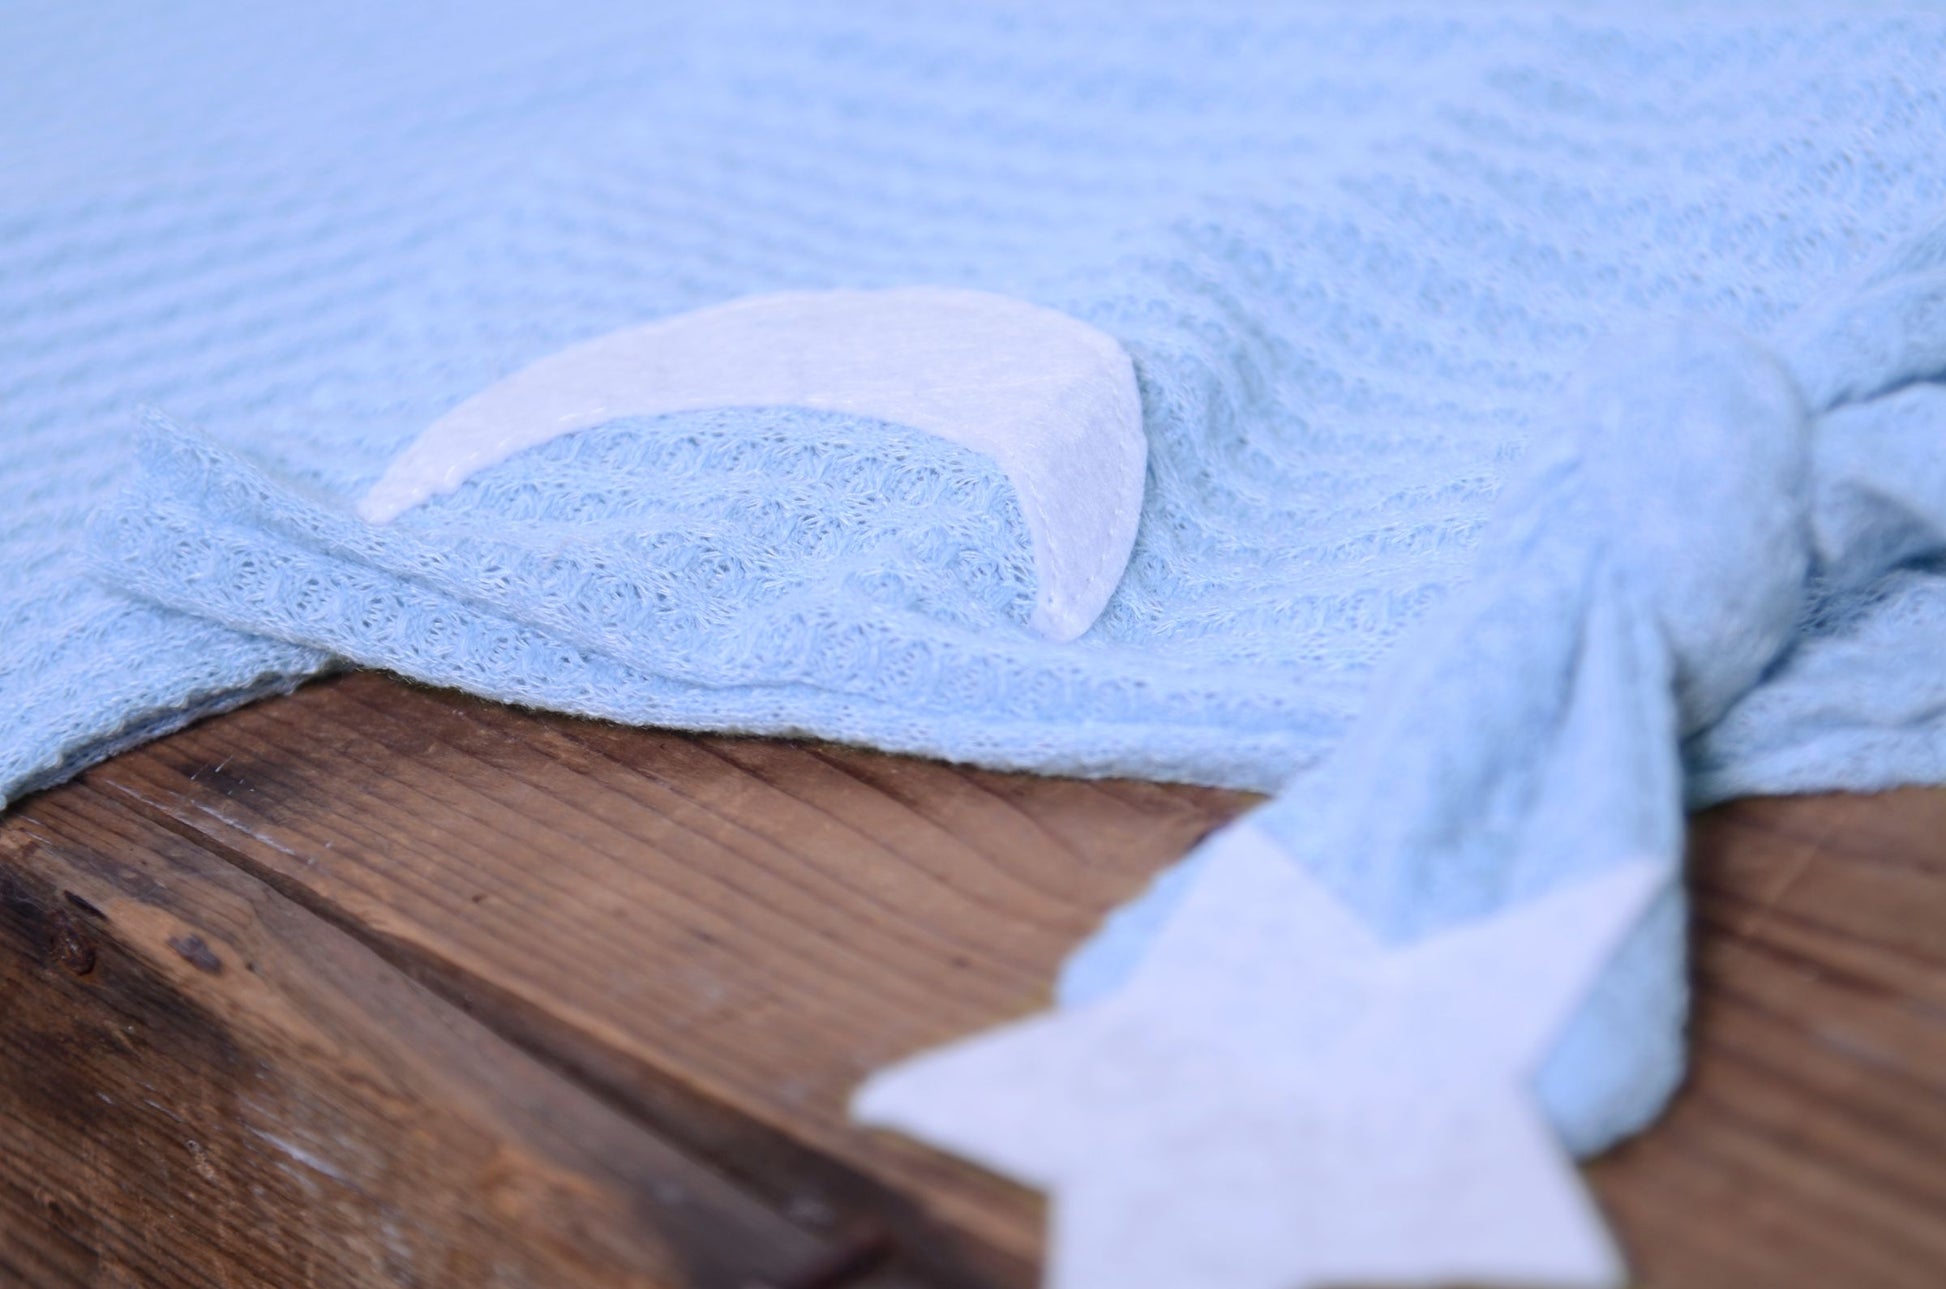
(1809, 1147)
(714, 939)
(723, 935)
(202, 1084)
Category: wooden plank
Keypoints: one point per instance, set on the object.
(722, 936)
(203, 1084)
(1809, 1146)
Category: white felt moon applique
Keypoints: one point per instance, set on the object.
(1050, 399)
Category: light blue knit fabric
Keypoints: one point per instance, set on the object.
(1358, 253)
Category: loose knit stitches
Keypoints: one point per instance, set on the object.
(1355, 253)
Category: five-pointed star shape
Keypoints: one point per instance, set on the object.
(1275, 1100)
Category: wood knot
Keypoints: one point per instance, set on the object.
(196, 953)
(68, 944)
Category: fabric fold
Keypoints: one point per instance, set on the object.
(1657, 561)
(1355, 254)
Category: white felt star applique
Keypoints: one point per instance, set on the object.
(1275, 1100)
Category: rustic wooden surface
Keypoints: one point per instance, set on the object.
(375, 985)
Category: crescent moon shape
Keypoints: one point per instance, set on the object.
(1052, 401)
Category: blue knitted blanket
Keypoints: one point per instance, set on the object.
(1370, 261)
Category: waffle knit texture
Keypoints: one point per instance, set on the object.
(1358, 254)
